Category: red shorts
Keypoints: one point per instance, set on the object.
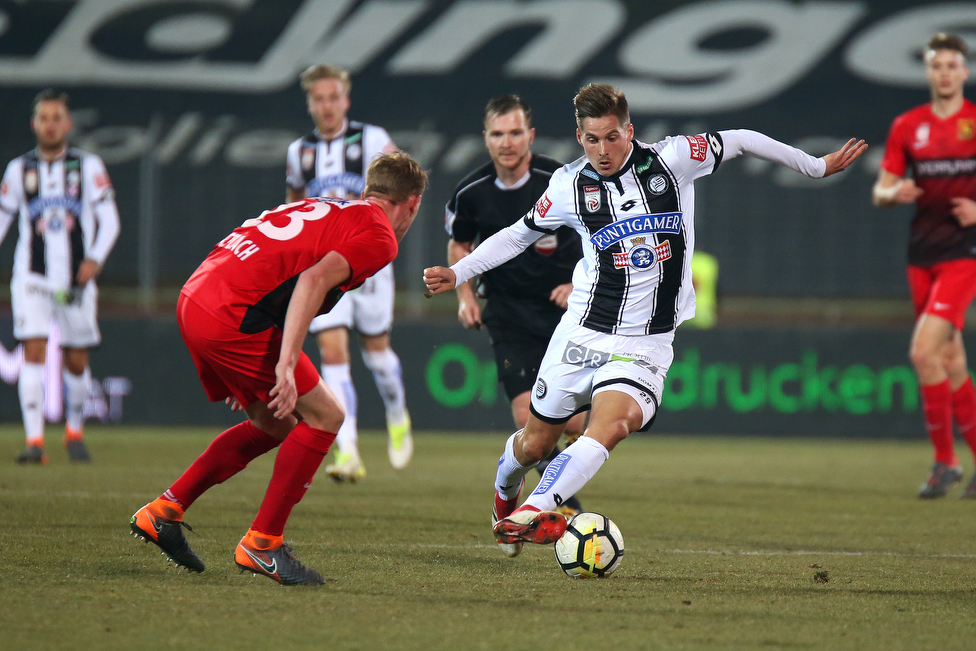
(231, 363)
(945, 289)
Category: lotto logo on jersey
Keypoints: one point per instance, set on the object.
(543, 205)
(699, 147)
(591, 197)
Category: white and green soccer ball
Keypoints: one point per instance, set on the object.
(592, 546)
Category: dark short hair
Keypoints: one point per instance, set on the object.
(601, 100)
(396, 177)
(944, 41)
(506, 104)
(50, 95)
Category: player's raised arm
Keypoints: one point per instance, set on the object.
(496, 250)
(745, 141)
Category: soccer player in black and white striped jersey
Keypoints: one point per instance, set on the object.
(64, 204)
(633, 205)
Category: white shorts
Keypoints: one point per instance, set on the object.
(580, 363)
(34, 303)
(368, 308)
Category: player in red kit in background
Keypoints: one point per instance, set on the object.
(243, 315)
(937, 142)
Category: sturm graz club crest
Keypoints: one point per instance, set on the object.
(642, 256)
(657, 184)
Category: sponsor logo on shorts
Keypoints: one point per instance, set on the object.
(39, 290)
(541, 389)
(579, 355)
(549, 477)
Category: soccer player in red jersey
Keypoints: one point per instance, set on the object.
(243, 315)
(937, 142)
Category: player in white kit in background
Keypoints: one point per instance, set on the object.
(332, 161)
(633, 205)
(68, 223)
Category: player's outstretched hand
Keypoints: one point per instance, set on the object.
(964, 210)
(840, 159)
(284, 394)
(439, 280)
(234, 404)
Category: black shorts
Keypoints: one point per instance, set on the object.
(520, 333)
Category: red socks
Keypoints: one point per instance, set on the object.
(298, 458)
(226, 456)
(937, 410)
(964, 412)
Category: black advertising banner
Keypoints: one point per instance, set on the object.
(726, 381)
(193, 103)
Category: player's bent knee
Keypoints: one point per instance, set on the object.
(313, 438)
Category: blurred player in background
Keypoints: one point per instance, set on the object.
(68, 224)
(633, 205)
(244, 314)
(937, 142)
(526, 295)
(330, 162)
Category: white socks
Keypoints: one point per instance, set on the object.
(388, 376)
(30, 388)
(338, 379)
(510, 471)
(568, 473)
(76, 394)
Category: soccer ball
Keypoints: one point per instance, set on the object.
(592, 546)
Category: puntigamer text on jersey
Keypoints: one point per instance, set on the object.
(665, 222)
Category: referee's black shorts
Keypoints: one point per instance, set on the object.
(519, 338)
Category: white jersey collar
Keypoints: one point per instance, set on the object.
(518, 184)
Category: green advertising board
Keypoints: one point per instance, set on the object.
(784, 382)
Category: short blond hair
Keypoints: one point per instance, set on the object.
(395, 177)
(321, 71)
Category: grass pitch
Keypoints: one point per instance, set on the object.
(731, 544)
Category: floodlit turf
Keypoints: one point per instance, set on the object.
(731, 544)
